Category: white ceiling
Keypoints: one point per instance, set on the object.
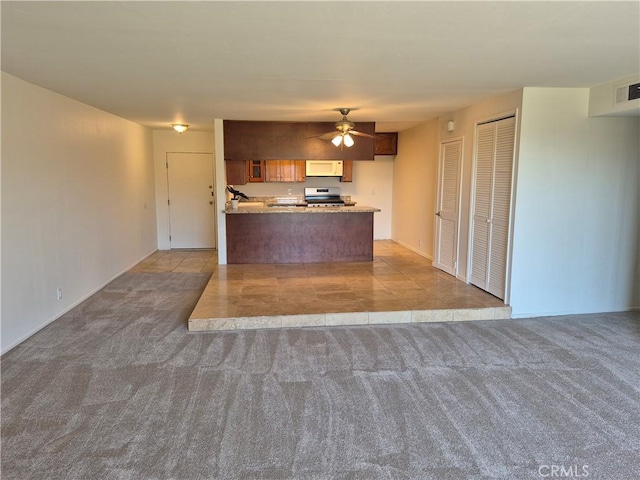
(158, 63)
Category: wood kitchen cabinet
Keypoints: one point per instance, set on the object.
(284, 237)
(386, 143)
(255, 171)
(256, 140)
(285, 171)
(236, 172)
(347, 171)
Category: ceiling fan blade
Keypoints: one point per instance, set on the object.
(325, 136)
(361, 134)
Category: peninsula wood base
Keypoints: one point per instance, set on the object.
(299, 238)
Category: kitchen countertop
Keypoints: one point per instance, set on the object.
(294, 209)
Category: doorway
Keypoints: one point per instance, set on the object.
(191, 201)
(447, 203)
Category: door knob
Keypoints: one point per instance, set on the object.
(211, 202)
(210, 186)
(438, 213)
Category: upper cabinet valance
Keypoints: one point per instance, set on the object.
(253, 140)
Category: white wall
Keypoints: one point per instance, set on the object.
(414, 188)
(602, 99)
(220, 185)
(465, 122)
(78, 203)
(373, 186)
(170, 141)
(577, 215)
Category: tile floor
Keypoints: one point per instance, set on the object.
(185, 261)
(398, 286)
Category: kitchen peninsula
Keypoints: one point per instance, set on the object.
(298, 234)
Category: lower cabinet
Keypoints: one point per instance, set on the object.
(284, 237)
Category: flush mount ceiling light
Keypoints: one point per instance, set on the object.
(180, 127)
(345, 130)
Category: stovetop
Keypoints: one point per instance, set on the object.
(323, 197)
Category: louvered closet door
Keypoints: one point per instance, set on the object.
(446, 250)
(492, 200)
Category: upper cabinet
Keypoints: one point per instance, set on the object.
(386, 143)
(240, 172)
(255, 171)
(249, 140)
(347, 171)
(285, 171)
(236, 172)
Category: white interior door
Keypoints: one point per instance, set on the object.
(492, 205)
(191, 200)
(482, 204)
(446, 244)
(501, 206)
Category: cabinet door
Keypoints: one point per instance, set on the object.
(271, 171)
(236, 172)
(347, 171)
(386, 143)
(285, 171)
(300, 167)
(255, 171)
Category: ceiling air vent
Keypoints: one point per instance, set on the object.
(626, 93)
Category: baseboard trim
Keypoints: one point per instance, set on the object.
(573, 313)
(73, 305)
(414, 250)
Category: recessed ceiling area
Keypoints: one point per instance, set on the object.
(395, 63)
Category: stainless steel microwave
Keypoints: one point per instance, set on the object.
(324, 168)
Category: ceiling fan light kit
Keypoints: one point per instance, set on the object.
(344, 127)
(347, 140)
(344, 139)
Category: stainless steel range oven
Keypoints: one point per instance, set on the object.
(323, 197)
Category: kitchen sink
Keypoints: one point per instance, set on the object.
(285, 205)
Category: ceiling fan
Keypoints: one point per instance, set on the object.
(345, 130)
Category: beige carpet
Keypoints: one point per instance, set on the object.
(118, 389)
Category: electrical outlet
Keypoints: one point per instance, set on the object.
(59, 293)
(288, 191)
